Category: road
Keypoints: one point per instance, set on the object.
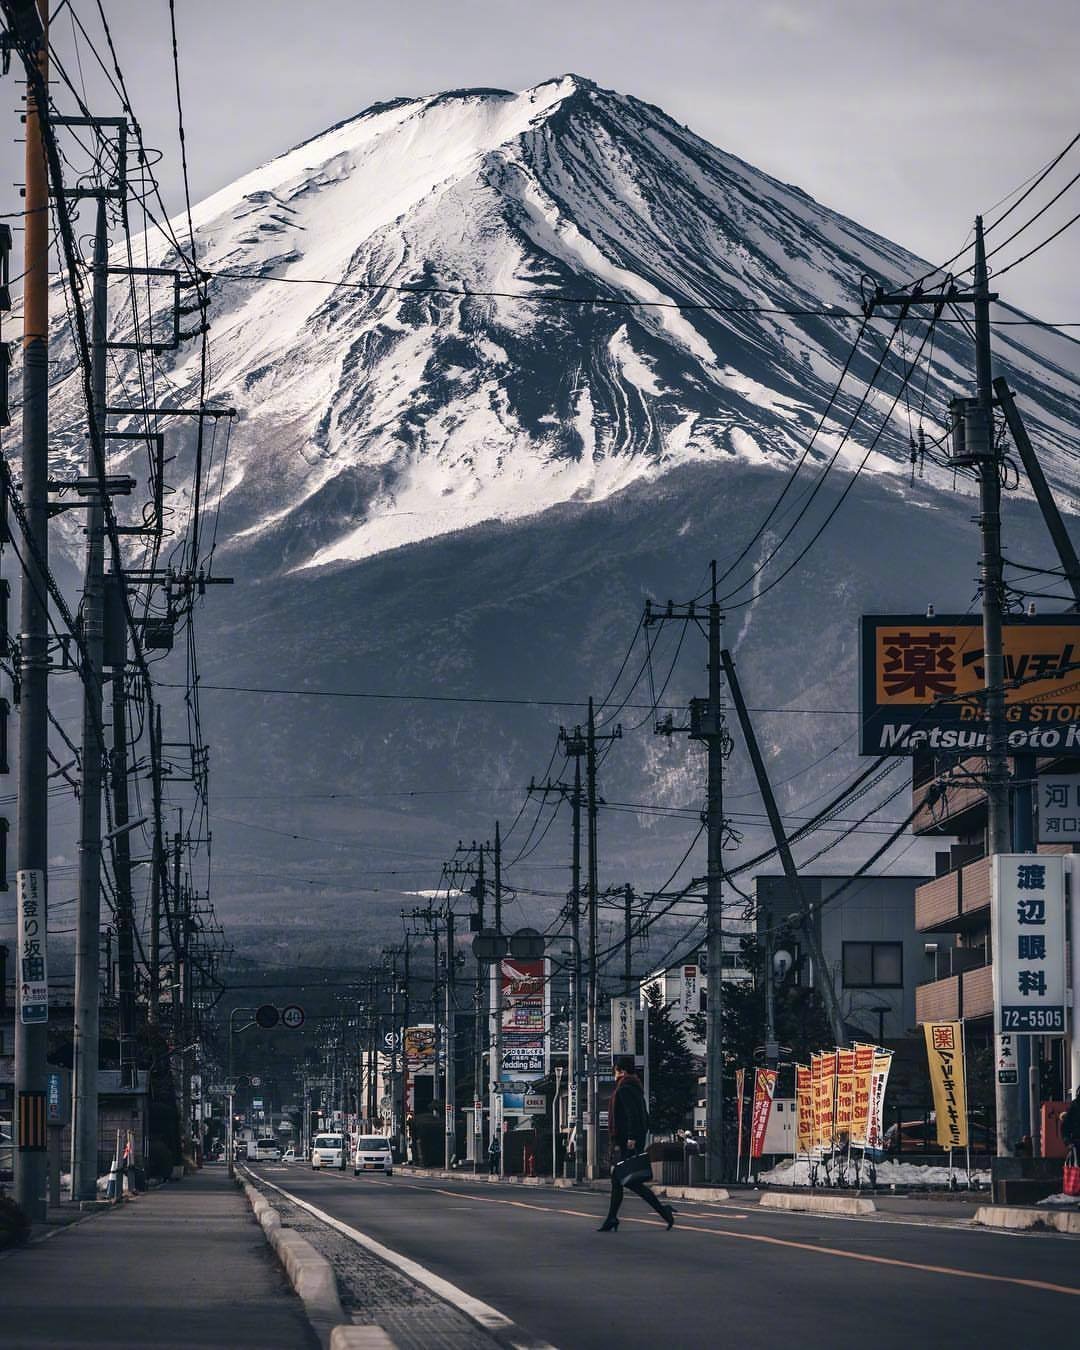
(734, 1273)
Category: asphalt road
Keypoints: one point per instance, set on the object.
(731, 1274)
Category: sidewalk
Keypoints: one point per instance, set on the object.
(185, 1265)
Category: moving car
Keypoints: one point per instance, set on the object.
(289, 1156)
(372, 1154)
(328, 1150)
(264, 1150)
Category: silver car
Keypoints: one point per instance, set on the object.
(372, 1154)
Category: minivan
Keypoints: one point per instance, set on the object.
(264, 1150)
(328, 1150)
(372, 1154)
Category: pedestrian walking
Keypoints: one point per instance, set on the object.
(628, 1125)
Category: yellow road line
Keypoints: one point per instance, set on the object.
(1044, 1285)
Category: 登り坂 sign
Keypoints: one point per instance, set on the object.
(1028, 933)
(922, 684)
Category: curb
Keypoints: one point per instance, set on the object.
(360, 1338)
(818, 1204)
(699, 1193)
(1013, 1217)
(310, 1274)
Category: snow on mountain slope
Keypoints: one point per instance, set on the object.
(372, 418)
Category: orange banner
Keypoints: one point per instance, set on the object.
(804, 1109)
(860, 1115)
(845, 1094)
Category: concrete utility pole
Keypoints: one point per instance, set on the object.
(157, 874)
(495, 1038)
(628, 931)
(478, 1026)
(975, 445)
(32, 838)
(451, 1042)
(823, 980)
(716, 739)
(125, 918)
(578, 745)
(84, 1134)
(404, 1030)
(981, 443)
(575, 992)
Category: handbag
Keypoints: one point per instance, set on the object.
(1071, 1179)
(637, 1168)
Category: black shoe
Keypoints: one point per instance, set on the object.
(608, 1226)
(669, 1217)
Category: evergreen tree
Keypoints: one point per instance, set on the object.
(672, 1077)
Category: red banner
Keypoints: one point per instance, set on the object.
(764, 1087)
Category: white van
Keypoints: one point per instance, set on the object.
(263, 1150)
(328, 1150)
(372, 1154)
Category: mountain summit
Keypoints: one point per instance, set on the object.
(377, 417)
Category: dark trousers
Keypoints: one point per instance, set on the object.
(639, 1188)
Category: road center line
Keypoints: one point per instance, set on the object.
(1043, 1285)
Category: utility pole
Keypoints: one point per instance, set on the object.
(715, 736)
(84, 1134)
(823, 980)
(451, 1041)
(628, 930)
(576, 744)
(707, 725)
(157, 866)
(495, 1037)
(32, 839)
(125, 918)
(975, 445)
(574, 1063)
(404, 1030)
(478, 1028)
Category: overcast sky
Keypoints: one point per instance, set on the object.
(909, 116)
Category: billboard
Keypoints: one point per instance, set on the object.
(420, 1049)
(524, 1018)
(921, 683)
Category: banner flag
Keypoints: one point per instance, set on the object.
(764, 1087)
(860, 1116)
(845, 1094)
(740, 1098)
(804, 1109)
(879, 1077)
(827, 1120)
(945, 1052)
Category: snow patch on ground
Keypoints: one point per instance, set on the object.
(888, 1174)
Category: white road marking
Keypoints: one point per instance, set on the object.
(483, 1314)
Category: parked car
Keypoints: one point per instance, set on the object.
(328, 1150)
(372, 1154)
(920, 1136)
(289, 1156)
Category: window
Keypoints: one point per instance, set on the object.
(873, 965)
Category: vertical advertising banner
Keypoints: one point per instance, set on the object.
(845, 1094)
(690, 990)
(804, 1109)
(764, 1087)
(945, 1052)
(815, 1099)
(523, 1017)
(860, 1115)
(740, 1099)
(33, 972)
(879, 1077)
(827, 1100)
(623, 1027)
(1028, 919)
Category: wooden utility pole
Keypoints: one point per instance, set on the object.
(32, 838)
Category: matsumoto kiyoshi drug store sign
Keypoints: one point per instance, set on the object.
(922, 681)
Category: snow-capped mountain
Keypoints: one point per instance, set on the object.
(467, 495)
(373, 418)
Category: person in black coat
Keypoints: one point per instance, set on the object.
(628, 1125)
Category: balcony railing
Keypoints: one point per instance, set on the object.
(966, 995)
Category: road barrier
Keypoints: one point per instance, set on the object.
(1015, 1217)
(818, 1204)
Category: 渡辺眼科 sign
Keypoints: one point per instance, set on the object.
(945, 1054)
(922, 684)
(1027, 914)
